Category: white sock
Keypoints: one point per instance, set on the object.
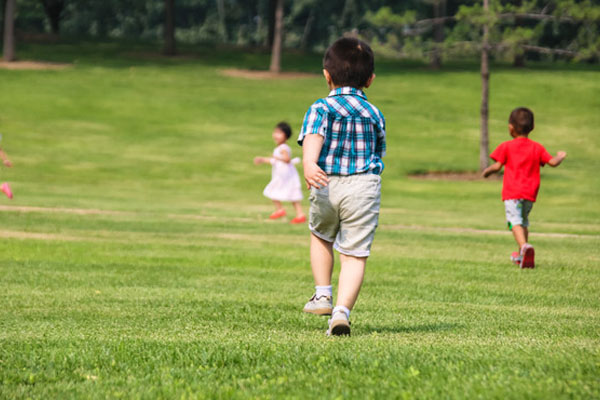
(341, 308)
(323, 291)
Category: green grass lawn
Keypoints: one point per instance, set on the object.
(137, 260)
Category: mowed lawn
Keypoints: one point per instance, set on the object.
(137, 259)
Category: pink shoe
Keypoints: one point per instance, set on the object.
(6, 189)
(278, 214)
(298, 220)
(528, 256)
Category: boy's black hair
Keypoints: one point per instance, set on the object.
(285, 128)
(350, 62)
(521, 119)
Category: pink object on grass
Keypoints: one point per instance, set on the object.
(278, 214)
(6, 189)
(298, 220)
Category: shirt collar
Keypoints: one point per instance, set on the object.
(347, 90)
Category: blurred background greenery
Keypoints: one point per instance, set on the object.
(433, 30)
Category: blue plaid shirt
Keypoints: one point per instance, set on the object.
(354, 132)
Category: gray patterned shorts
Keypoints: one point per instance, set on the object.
(517, 212)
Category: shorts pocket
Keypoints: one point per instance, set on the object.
(371, 188)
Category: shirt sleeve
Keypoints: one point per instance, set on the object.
(315, 122)
(499, 154)
(381, 144)
(544, 156)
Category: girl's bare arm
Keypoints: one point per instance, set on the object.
(4, 158)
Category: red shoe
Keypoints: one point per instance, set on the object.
(278, 214)
(6, 189)
(528, 254)
(298, 220)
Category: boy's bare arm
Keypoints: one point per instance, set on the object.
(555, 161)
(495, 167)
(313, 174)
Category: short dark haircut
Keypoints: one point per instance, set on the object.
(350, 62)
(285, 128)
(521, 119)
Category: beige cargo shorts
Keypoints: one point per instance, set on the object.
(346, 212)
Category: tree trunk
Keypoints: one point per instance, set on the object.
(519, 60)
(277, 39)
(169, 48)
(221, 13)
(485, 86)
(53, 10)
(9, 31)
(439, 11)
(103, 15)
(519, 55)
(307, 27)
(347, 14)
(271, 19)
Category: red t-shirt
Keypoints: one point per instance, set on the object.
(521, 158)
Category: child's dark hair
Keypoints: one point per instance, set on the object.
(350, 62)
(285, 128)
(521, 119)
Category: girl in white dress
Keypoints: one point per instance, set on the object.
(285, 182)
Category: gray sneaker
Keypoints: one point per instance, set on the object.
(339, 324)
(322, 305)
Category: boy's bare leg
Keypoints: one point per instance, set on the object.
(351, 278)
(321, 260)
(527, 253)
(520, 235)
(298, 208)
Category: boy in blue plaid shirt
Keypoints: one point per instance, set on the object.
(343, 139)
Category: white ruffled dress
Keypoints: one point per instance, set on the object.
(285, 182)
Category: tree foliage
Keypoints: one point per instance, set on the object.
(530, 29)
(556, 28)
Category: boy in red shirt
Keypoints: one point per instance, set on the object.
(522, 159)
